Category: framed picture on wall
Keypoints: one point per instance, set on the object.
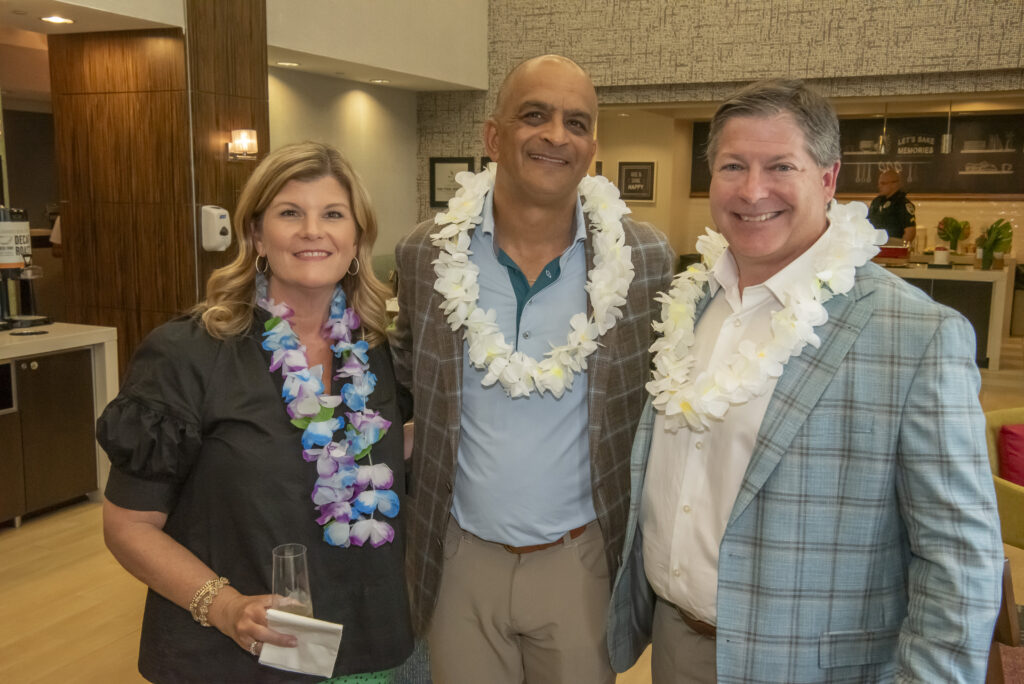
(484, 161)
(636, 181)
(442, 178)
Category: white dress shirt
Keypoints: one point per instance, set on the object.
(693, 478)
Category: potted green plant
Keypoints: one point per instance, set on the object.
(996, 238)
(953, 231)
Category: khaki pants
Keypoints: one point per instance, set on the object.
(678, 654)
(506, 618)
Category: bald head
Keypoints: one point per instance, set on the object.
(542, 132)
(531, 66)
(889, 182)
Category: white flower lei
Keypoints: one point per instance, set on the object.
(695, 402)
(607, 284)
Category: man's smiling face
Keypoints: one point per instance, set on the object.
(768, 196)
(542, 134)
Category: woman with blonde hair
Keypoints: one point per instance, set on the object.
(261, 419)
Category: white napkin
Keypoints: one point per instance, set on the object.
(318, 644)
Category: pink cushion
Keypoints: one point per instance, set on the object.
(1011, 453)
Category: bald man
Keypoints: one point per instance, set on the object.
(521, 478)
(891, 211)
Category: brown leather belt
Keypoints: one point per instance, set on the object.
(573, 534)
(703, 628)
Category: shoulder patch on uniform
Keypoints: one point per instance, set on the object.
(910, 208)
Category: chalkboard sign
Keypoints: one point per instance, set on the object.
(986, 157)
(700, 173)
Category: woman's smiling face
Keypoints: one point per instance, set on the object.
(308, 234)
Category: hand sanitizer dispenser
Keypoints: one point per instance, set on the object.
(216, 225)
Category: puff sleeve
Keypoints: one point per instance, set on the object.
(152, 431)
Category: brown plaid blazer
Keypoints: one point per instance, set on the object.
(428, 361)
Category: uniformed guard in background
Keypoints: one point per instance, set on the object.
(891, 211)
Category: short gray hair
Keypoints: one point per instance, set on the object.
(813, 115)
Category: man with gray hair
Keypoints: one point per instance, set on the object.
(812, 498)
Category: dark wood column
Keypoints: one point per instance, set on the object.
(227, 56)
(120, 109)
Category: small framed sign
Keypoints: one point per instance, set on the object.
(442, 178)
(636, 181)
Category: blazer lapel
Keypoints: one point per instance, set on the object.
(449, 344)
(800, 386)
(597, 365)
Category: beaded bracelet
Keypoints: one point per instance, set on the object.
(199, 606)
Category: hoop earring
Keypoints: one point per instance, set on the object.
(355, 260)
(266, 264)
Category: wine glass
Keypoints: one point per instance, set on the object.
(291, 580)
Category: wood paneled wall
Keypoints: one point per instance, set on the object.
(120, 109)
(135, 163)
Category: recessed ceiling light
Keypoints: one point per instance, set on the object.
(287, 64)
(624, 115)
(379, 81)
(57, 20)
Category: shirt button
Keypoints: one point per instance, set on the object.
(686, 508)
(737, 323)
(526, 335)
(677, 572)
(698, 445)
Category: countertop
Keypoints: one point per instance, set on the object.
(102, 345)
(956, 273)
(58, 337)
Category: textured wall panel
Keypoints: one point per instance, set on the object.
(650, 51)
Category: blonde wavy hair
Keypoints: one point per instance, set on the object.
(228, 308)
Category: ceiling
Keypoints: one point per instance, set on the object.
(24, 65)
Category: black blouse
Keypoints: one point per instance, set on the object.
(199, 431)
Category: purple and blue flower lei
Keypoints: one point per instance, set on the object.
(346, 494)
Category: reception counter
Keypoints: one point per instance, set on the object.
(63, 376)
(981, 296)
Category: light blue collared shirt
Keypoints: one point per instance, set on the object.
(523, 472)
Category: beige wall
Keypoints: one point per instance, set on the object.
(373, 126)
(644, 137)
(640, 138)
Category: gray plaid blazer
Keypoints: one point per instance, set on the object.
(428, 361)
(864, 543)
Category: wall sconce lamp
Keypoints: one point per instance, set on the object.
(243, 145)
